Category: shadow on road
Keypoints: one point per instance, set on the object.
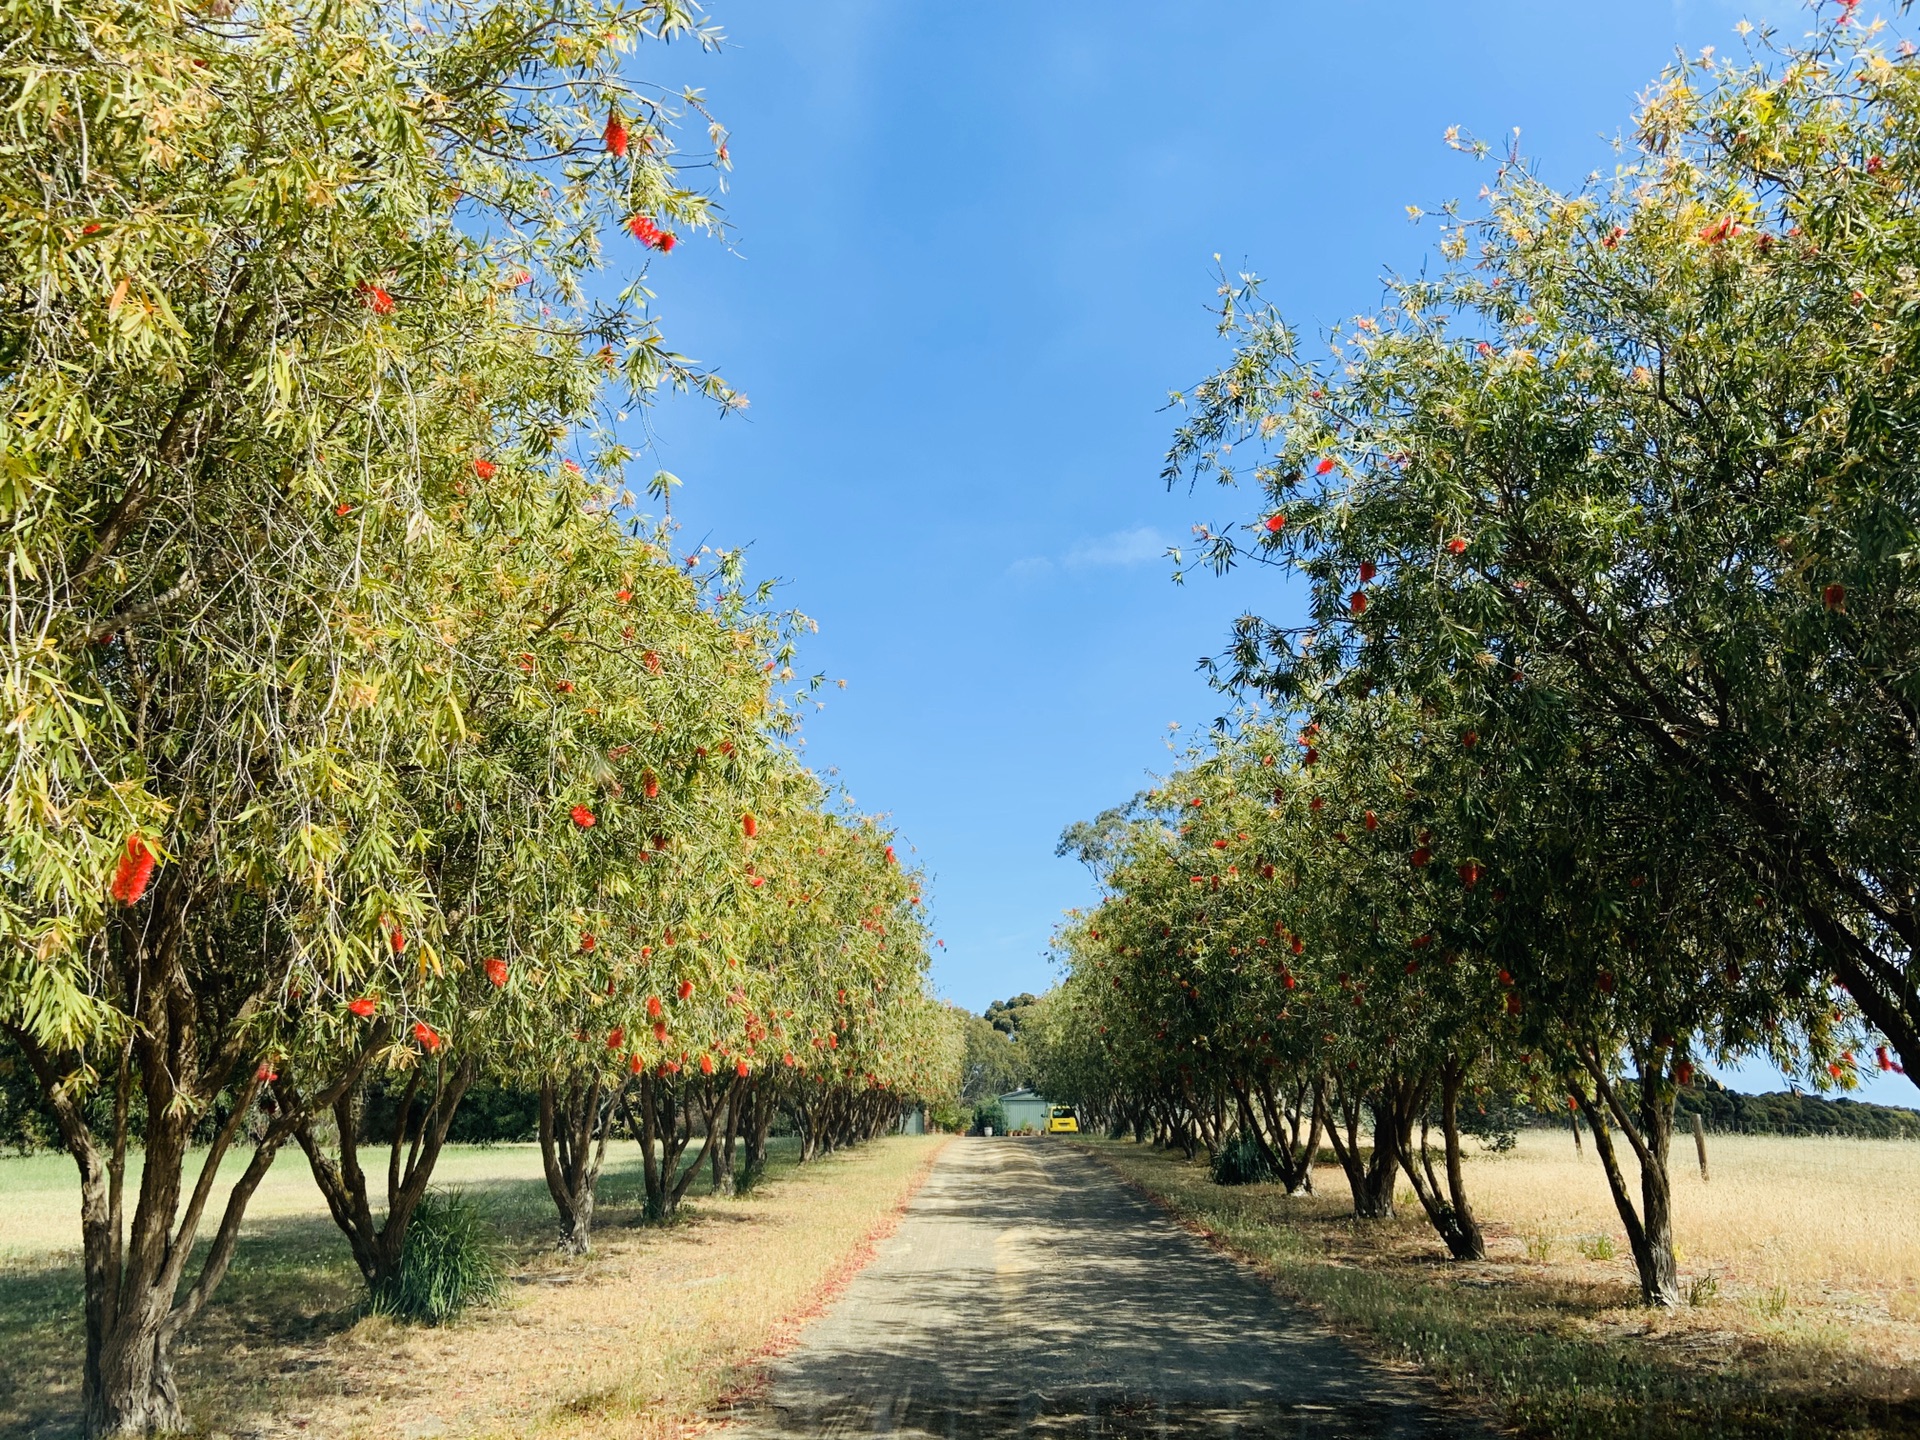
(1028, 1293)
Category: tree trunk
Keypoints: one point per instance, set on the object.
(1447, 1207)
(574, 1127)
(1650, 1134)
(1370, 1179)
(413, 1149)
(133, 1268)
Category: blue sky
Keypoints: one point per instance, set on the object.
(972, 253)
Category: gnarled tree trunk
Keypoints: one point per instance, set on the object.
(414, 1142)
(575, 1123)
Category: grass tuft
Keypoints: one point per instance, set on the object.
(450, 1262)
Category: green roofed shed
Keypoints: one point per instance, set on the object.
(1024, 1110)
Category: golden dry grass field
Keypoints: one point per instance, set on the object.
(644, 1338)
(1801, 1255)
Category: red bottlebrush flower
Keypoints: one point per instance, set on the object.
(756, 881)
(1367, 571)
(525, 662)
(587, 942)
(1469, 874)
(1724, 228)
(1483, 348)
(565, 687)
(1323, 467)
(686, 989)
(1613, 237)
(1470, 739)
(634, 1063)
(750, 825)
(651, 661)
(343, 510)
(1357, 602)
(616, 1037)
(1514, 1006)
(1297, 945)
(740, 1069)
(653, 1007)
(706, 1064)
(135, 869)
(398, 939)
(660, 1031)
(1834, 1071)
(1420, 857)
(1875, 163)
(1370, 820)
(1276, 523)
(483, 469)
(582, 816)
(90, 228)
(1288, 981)
(643, 229)
(666, 241)
(376, 299)
(266, 1073)
(1883, 1059)
(496, 971)
(1457, 545)
(623, 595)
(890, 856)
(1317, 804)
(616, 135)
(1505, 978)
(833, 1042)
(1311, 757)
(787, 1059)
(426, 1035)
(1834, 597)
(1683, 1072)
(363, 1007)
(1420, 942)
(1219, 844)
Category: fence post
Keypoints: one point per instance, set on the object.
(1700, 1142)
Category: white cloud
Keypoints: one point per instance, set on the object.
(1138, 546)
(1123, 547)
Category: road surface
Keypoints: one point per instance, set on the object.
(1028, 1292)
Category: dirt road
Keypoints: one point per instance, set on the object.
(1028, 1292)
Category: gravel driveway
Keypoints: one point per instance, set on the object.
(1028, 1292)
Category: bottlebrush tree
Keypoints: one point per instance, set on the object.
(1645, 447)
(275, 284)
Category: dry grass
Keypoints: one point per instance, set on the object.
(644, 1339)
(1804, 1328)
(1785, 1222)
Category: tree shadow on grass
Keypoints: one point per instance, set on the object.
(261, 1345)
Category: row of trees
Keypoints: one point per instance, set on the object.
(1595, 757)
(359, 741)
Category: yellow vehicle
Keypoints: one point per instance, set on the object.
(1062, 1121)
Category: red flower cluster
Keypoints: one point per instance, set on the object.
(426, 1035)
(363, 1007)
(651, 235)
(496, 971)
(616, 135)
(483, 469)
(130, 877)
(686, 989)
(583, 817)
(375, 299)
(750, 825)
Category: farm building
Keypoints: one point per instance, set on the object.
(1024, 1110)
